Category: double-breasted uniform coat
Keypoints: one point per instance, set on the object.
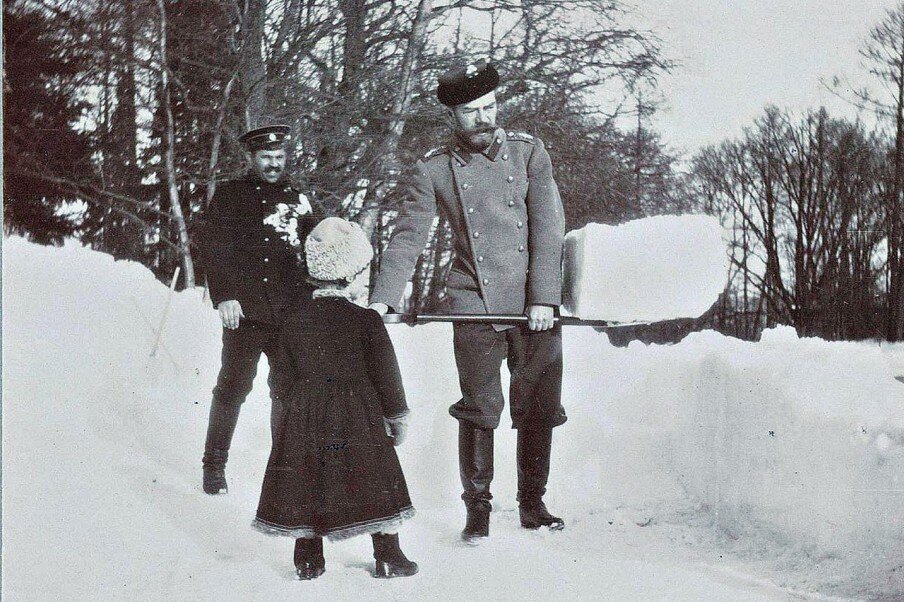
(253, 244)
(506, 215)
(254, 237)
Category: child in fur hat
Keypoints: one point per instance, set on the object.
(333, 470)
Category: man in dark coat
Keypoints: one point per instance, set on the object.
(253, 242)
(497, 191)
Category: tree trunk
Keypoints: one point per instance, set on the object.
(126, 134)
(335, 154)
(388, 150)
(172, 187)
(217, 141)
(896, 277)
(252, 67)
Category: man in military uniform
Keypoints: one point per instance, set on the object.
(253, 243)
(497, 191)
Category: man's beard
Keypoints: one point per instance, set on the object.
(479, 138)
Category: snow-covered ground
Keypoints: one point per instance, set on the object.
(713, 469)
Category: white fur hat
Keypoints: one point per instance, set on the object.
(337, 249)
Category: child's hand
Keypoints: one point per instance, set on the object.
(397, 430)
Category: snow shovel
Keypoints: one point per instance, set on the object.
(649, 270)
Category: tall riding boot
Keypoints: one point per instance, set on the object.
(475, 463)
(390, 560)
(309, 561)
(534, 449)
(221, 426)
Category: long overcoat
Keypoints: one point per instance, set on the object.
(333, 470)
(252, 244)
(506, 215)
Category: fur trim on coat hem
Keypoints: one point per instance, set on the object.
(368, 527)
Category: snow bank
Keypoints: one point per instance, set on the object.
(94, 428)
(799, 438)
(655, 268)
(795, 445)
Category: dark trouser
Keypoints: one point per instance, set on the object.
(242, 350)
(535, 397)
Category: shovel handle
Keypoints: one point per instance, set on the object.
(508, 320)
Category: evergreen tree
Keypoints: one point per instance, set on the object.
(43, 152)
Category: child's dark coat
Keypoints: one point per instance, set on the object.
(333, 470)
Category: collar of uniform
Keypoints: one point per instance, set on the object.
(461, 153)
(493, 151)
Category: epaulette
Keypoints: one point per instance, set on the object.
(439, 150)
(522, 137)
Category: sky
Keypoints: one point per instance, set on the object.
(737, 56)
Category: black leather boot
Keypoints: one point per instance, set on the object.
(477, 523)
(215, 471)
(220, 427)
(475, 463)
(534, 449)
(390, 560)
(309, 561)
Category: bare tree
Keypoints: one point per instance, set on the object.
(883, 57)
(800, 197)
(355, 79)
(172, 186)
(387, 151)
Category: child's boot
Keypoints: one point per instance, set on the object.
(309, 561)
(390, 561)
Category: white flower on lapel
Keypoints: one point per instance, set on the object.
(284, 219)
(303, 207)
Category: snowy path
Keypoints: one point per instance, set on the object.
(120, 516)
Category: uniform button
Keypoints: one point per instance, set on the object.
(486, 281)
(470, 209)
(505, 157)
(520, 224)
(264, 202)
(480, 258)
(266, 259)
(257, 187)
(465, 186)
(477, 235)
(511, 203)
(266, 280)
(511, 178)
(266, 239)
(521, 248)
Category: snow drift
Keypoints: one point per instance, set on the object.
(795, 446)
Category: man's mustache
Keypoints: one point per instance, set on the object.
(483, 129)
